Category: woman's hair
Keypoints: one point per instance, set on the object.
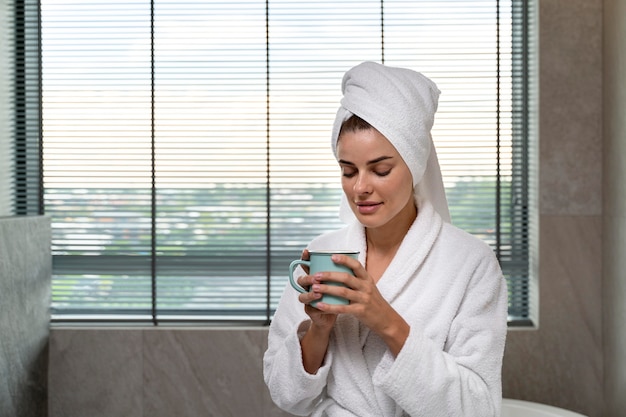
(353, 124)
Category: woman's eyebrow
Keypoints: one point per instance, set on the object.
(373, 161)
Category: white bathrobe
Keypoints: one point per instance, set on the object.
(449, 287)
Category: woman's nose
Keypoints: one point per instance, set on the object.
(362, 185)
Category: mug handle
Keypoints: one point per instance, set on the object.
(292, 268)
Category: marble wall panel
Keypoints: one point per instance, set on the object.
(159, 372)
(25, 268)
(560, 363)
(570, 94)
(96, 372)
(205, 372)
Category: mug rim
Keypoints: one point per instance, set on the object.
(331, 252)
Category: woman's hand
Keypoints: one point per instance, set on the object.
(314, 343)
(323, 321)
(366, 302)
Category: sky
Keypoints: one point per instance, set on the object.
(212, 91)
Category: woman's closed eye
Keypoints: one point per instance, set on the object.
(349, 173)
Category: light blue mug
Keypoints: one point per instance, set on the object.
(320, 261)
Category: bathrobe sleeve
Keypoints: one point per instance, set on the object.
(291, 387)
(463, 378)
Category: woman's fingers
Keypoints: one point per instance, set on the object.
(320, 283)
(309, 297)
(307, 281)
(305, 257)
(356, 267)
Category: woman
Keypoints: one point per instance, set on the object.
(424, 332)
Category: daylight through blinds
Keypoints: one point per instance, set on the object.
(187, 144)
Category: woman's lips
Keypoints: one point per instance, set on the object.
(368, 207)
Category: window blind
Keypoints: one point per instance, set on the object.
(187, 144)
(20, 111)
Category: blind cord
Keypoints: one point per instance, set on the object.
(153, 240)
(498, 227)
(268, 200)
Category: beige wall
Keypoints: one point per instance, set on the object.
(568, 361)
(614, 259)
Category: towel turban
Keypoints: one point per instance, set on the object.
(400, 103)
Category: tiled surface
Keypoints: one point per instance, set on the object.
(200, 372)
(158, 372)
(570, 74)
(25, 268)
(96, 373)
(561, 362)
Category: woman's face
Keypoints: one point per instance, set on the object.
(375, 178)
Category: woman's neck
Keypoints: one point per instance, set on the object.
(389, 236)
(383, 242)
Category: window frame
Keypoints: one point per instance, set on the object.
(29, 198)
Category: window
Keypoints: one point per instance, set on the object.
(186, 155)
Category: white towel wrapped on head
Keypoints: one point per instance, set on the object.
(401, 104)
